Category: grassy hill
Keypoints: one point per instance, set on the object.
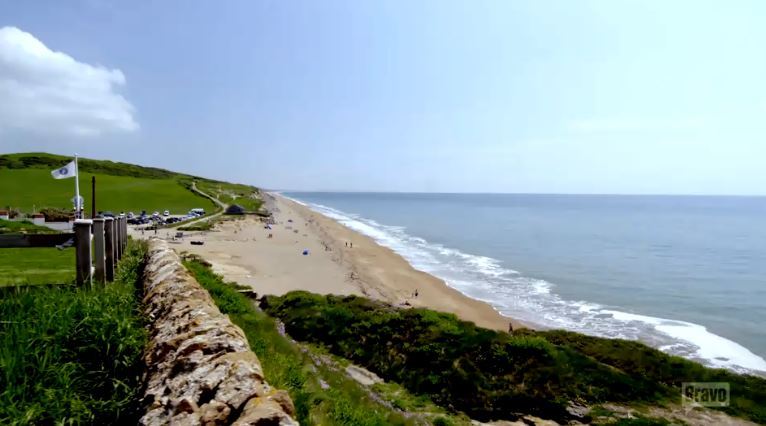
(26, 183)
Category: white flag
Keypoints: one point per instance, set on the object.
(64, 172)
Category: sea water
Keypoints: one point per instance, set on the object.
(686, 275)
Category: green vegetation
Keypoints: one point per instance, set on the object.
(203, 225)
(23, 227)
(231, 193)
(341, 401)
(44, 265)
(748, 396)
(71, 355)
(25, 188)
(491, 375)
(39, 160)
(25, 182)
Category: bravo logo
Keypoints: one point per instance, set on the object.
(705, 394)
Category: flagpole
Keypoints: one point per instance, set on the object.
(78, 208)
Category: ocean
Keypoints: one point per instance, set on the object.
(684, 274)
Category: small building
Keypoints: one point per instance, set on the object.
(4, 215)
(235, 209)
(38, 219)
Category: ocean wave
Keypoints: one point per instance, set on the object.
(534, 301)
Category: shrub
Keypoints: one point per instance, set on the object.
(489, 374)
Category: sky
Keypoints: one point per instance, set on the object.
(615, 96)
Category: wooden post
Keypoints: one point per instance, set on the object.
(117, 240)
(124, 230)
(93, 201)
(99, 251)
(109, 243)
(83, 259)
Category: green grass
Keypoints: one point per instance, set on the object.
(286, 366)
(24, 189)
(489, 374)
(71, 355)
(231, 193)
(23, 227)
(44, 265)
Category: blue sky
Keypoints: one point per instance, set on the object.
(447, 96)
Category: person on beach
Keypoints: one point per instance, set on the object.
(416, 293)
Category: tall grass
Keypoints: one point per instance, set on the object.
(70, 355)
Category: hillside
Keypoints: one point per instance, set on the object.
(26, 184)
(496, 375)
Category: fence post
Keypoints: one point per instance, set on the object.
(99, 248)
(109, 243)
(124, 232)
(83, 259)
(117, 240)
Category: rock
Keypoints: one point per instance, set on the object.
(271, 409)
(362, 375)
(199, 367)
(578, 412)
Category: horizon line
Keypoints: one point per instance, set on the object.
(604, 194)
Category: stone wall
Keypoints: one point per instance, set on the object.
(199, 367)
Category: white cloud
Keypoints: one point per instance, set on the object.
(49, 92)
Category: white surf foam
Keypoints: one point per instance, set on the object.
(702, 344)
(533, 300)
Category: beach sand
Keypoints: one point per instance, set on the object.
(241, 251)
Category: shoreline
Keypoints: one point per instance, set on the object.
(242, 251)
(392, 285)
(701, 349)
(271, 262)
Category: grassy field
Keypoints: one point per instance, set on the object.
(71, 355)
(24, 188)
(36, 266)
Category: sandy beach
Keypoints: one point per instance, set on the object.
(340, 261)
